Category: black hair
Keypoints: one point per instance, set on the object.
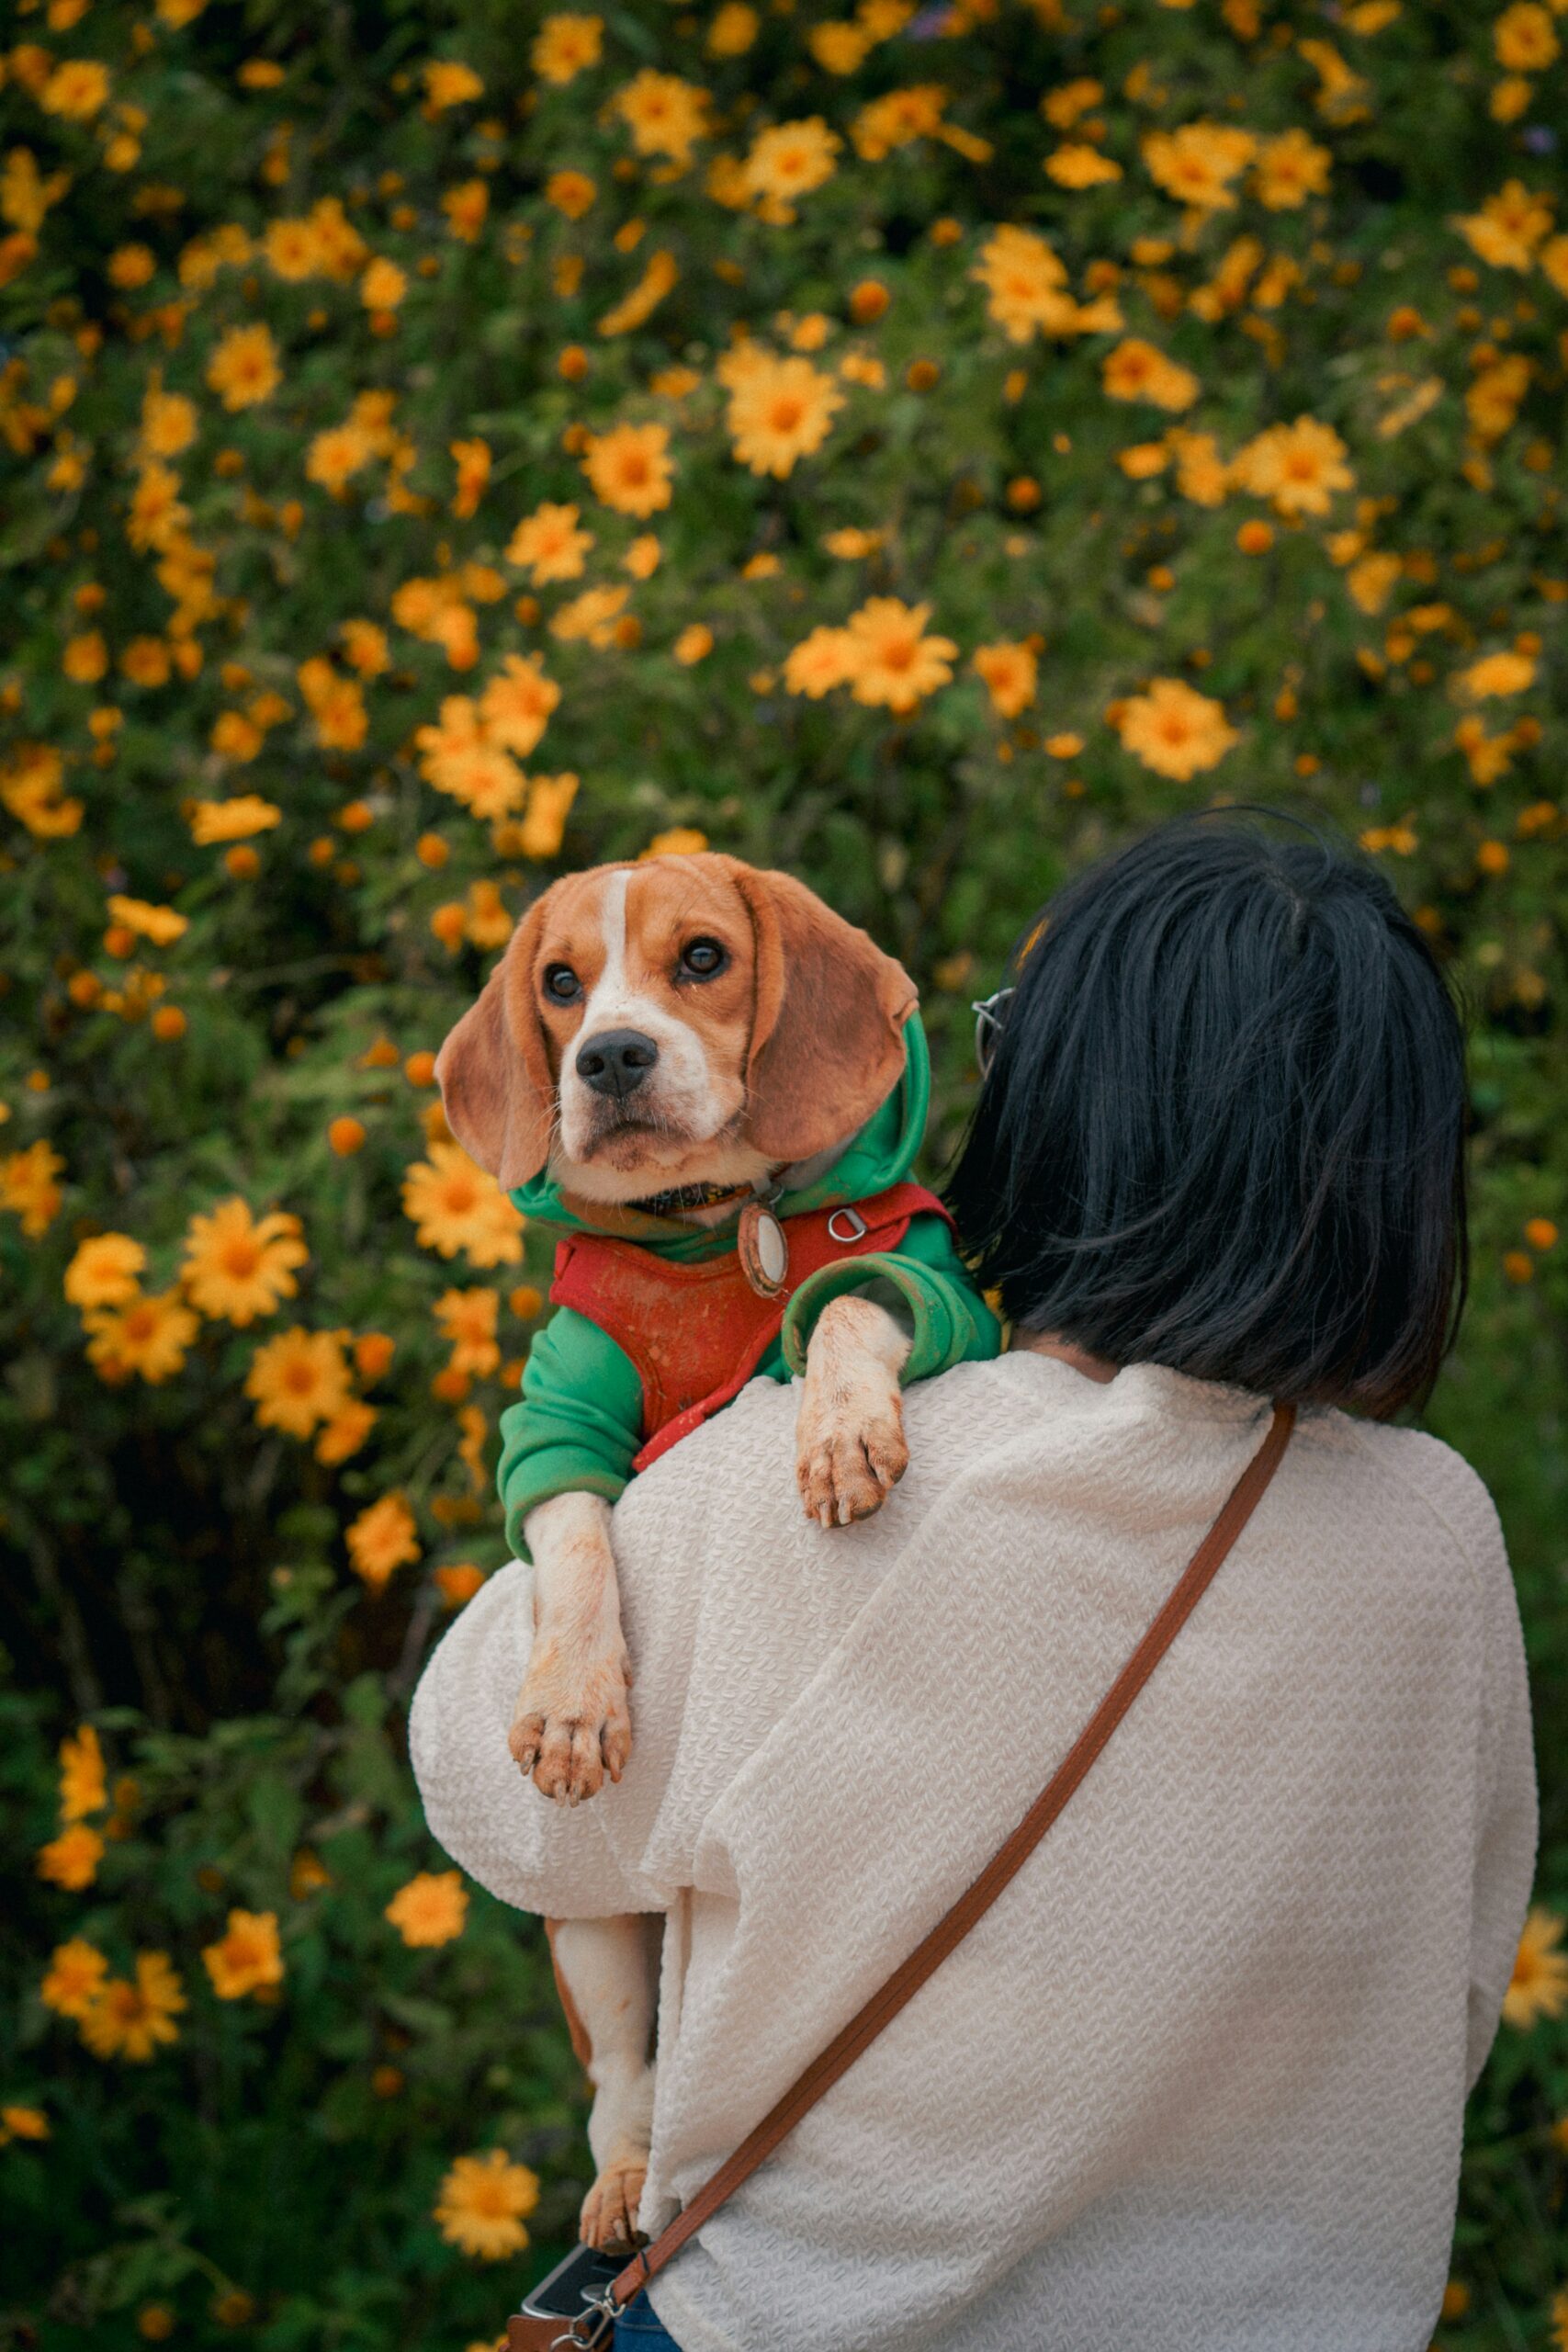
(1222, 1128)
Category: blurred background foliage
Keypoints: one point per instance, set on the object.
(444, 446)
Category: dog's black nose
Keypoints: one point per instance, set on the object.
(616, 1062)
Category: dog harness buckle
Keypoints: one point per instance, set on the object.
(857, 1228)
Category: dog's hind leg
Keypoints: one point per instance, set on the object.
(608, 1971)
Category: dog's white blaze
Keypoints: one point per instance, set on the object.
(683, 1086)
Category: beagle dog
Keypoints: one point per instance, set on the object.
(670, 1046)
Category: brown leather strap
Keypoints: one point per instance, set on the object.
(954, 1924)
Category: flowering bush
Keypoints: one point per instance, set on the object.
(914, 449)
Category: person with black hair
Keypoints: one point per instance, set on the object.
(1198, 2078)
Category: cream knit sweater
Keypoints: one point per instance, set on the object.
(1196, 2083)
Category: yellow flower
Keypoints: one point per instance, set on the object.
(382, 1539)
(664, 115)
(515, 708)
(548, 545)
(449, 84)
(293, 249)
(161, 925)
(1008, 671)
(454, 1205)
(345, 1431)
(238, 1266)
(74, 1978)
(82, 1784)
(232, 821)
(1496, 674)
(1508, 227)
(629, 468)
(1298, 465)
(1290, 169)
(77, 89)
(1024, 277)
(335, 704)
(780, 410)
(1137, 371)
(243, 370)
(544, 822)
(103, 1271)
(297, 1379)
(894, 662)
(791, 159)
(247, 1957)
(694, 644)
(572, 193)
(1079, 165)
(733, 31)
(828, 658)
(1523, 37)
(335, 455)
(564, 47)
(383, 286)
(1539, 1988)
(28, 1186)
(1174, 729)
(23, 2123)
(897, 119)
(148, 1336)
(72, 1859)
(431, 1909)
(1197, 163)
(482, 2202)
(467, 1320)
(130, 2017)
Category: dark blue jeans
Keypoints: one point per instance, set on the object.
(640, 2329)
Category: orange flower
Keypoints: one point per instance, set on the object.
(382, 1539)
(566, 45)
(629, 468)
(296, 1380)
(130, 2017)
(149, 1336)
(431, 1909)
(237, 1266)
(1174, 729)
(894, 662)
(455, 1206)
(104, 1270)
(72, 1859)
(482, 2202)
(1008, 671)
(244, 368)
(1539, 1988)
(247, 1957)
(72, 1981)
(548, 545)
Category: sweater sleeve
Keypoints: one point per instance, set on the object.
(952, 1323)
(1506, 1818)
(578, 1424)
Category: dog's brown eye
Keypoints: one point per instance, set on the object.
(702, 959)
(561, 984)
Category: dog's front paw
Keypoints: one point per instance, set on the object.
(573, 1723)
(849, 1453)
(609, 2209)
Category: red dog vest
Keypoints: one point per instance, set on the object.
(697, 1332)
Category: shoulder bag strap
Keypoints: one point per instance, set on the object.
(950, 1931)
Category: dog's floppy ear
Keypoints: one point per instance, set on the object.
(827, 1037)
(495, 1078)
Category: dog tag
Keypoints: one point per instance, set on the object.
(764, 1249)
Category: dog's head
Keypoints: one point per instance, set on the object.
(686, 1020)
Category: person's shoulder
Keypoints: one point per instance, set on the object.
(1419, 1470)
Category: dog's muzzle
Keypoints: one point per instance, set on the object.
(616, 1062)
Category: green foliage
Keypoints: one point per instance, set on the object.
(182, 545)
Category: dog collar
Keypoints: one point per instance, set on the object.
(689, 1196)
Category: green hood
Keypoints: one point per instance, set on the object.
(880, 1155)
